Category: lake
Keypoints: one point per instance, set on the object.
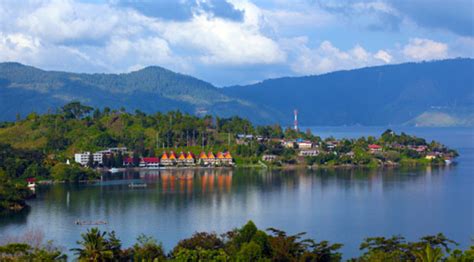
(338, 205)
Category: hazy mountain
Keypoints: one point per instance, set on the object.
(24, 89)
(427, 94)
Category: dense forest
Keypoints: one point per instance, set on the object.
(247, 243)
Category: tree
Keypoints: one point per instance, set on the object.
(75, 110)
(94, 246)
(429, 254)
(249, 252)
(147, 249)
(201, 240)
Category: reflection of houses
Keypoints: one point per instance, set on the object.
(373, 148)
(308, 152)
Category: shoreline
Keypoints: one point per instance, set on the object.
(249, 166)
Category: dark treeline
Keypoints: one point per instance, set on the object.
(247, 243)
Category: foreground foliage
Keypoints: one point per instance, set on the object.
(247, 243)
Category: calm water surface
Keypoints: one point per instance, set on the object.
(342, 206)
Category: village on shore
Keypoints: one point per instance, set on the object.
(302, 152)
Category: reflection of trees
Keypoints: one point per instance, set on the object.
(176, 190)
(15, 218)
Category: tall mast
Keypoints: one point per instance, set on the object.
(296, 119)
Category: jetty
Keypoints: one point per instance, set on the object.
(137, 185)
(90, 223)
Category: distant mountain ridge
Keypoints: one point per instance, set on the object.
(410, 93)
(436, 93)
(24, 89)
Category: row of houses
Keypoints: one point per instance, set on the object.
(183, 159)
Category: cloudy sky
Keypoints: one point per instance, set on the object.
(234, 41)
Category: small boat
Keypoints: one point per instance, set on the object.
(137, 185)
(114, 170)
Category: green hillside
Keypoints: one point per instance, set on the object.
(436, 93)
(25, 89)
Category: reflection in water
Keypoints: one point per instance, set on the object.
(327, 203)
(337, 205)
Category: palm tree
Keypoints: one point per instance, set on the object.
(94, 246)
(429, 254)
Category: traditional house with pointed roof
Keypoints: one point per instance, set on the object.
(172, 156)
(227, 159)
(190, 159)
(165, 160)
(181, 159)
(203, 159)
(211, 158)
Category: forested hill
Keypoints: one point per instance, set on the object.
(24, 89)
(437, 93)
(427, 93)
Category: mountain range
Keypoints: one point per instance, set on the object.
(435, 93)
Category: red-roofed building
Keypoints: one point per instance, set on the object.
(373, 148)
(127, 161)
(149, 162)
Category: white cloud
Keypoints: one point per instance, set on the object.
(384, 56)
(277, 39)
(116, 39)
(425, 49)
(326, 58)
(223, 42)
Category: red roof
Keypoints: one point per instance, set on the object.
(128, 160)
(151, 159)
(374, 146)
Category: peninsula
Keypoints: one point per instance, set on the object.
(76, 141)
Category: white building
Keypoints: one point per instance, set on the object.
(83, 158)
(309, 152)
(305, 144)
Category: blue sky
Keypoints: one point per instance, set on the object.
(235, 41)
